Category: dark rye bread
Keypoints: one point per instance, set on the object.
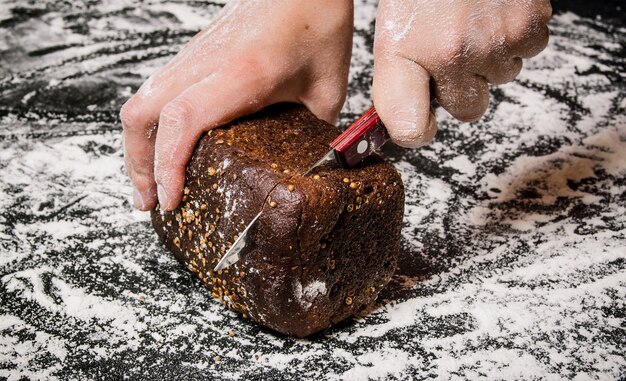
(324, 245)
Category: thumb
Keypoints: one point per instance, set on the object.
(401, 93)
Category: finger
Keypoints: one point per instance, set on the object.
(162, 87)
(139, 117)
(216, 100)
(464, 97)
(541, 10)
(326, 100)
(144, 186)
(401, 95)
(528, 33)
(503, 72)
(328, 84)
(139, 136)
(141, 112)
(535, 43)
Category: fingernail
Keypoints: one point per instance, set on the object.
(138, 200)
(162, 194)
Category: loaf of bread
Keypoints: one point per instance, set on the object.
(325, 244)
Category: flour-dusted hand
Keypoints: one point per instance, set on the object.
(255, 53)
(462, 45)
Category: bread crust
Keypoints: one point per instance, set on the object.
(324, 246)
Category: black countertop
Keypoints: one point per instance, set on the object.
(514, 250)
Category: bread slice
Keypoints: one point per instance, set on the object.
(325, 244)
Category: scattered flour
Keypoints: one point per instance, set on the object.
(513, 242)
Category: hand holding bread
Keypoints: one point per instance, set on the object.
(256, 53)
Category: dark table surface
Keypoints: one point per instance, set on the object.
(513, 258)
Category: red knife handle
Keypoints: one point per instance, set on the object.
(362, 138)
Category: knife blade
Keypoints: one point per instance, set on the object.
(233, 254)
(351, 147)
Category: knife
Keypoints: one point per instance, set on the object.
(356, 143)
(350, 148)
